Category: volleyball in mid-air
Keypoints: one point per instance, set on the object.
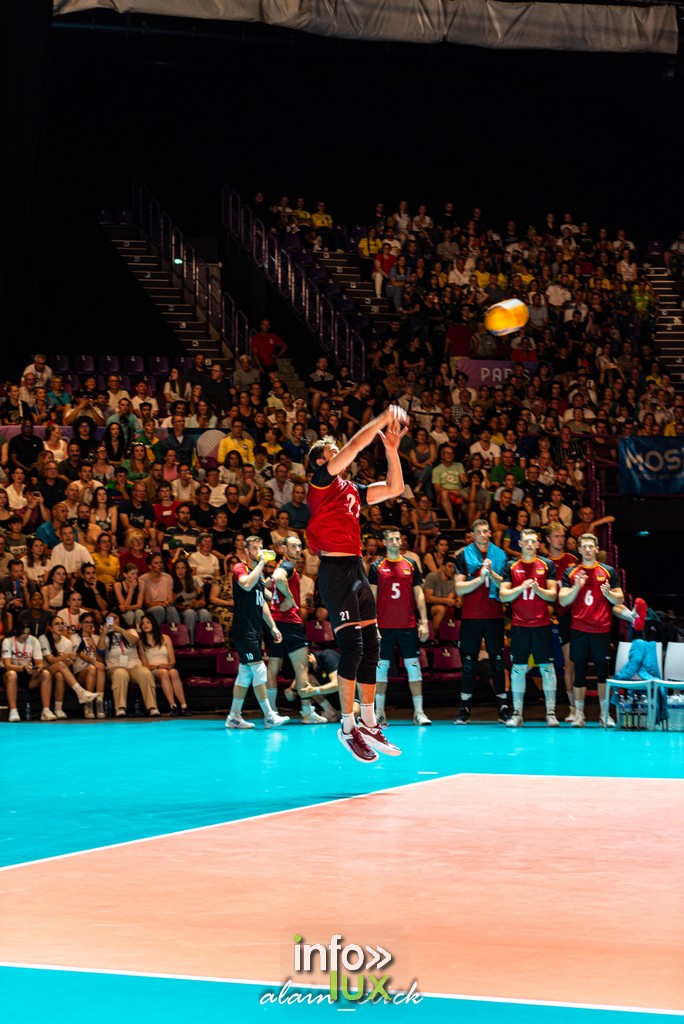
(506, 317)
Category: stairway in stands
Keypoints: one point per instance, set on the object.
(669, 332)
(166, 294)
(344, 268)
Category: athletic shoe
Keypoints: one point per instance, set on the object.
(609, 724)
(14, 716)
(238, 722)
(274, 721)
(88, 711)
(47, 716)
(313, 718)
(570, 717)
(357, 746)
(516, 720)
(121, 712)
(420, 718)
(332, 715)
(381, 719)
(551, 720)
(86, 697)
(641, 609)
(463, 716)
(376, 740)
(59, 713)
(579, 721)
(100, 711)
(504, 714)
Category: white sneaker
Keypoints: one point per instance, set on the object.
(516, 720)
(420, 718)
(238, 722)
(99, 710)
(274, 721)
(59, 713)
(579, 721)
(14, 716)
(88, 711)
(609, 724)
(551, 720)
(313, 718)
(570, 717)
(86, 697)
(381, 719)
(47, 715)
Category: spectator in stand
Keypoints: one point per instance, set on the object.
(267, 347)
(70, 554)
(181, 442)
(320, 383)
(384, 261)
(440, 593)
(156, 588)
(368, 248)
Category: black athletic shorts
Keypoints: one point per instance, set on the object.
(249, 651)
(345, 590)
(294, 638)
(474, 631)
(405, 639)
(586, 647)
(534, 640)
(564, 628)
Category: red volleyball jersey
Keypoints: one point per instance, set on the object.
(565, 561)
(395, 580)
(292, 614)
(591, 611)
(335, 511)
(529, 609)
(478, 604)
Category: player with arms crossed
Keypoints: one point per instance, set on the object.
(285, 611)
(396, 585)
(251, 610)
(529, 583)
(593, 590)
(478, 578)
(334, 534)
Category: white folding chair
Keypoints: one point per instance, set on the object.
(634, 684)
(673, 675)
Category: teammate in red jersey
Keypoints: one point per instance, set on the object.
(592, 590)
(529, 583)
(285, 611)
(333, 533)
(478, 578)
(251, 611)
(396, 585)
(562, 559)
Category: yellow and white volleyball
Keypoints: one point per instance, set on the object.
(506, 317)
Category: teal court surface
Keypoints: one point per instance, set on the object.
(159, 871)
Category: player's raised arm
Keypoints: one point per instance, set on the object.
(393, 485)
(342, 459)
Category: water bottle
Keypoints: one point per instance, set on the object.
(27, 712)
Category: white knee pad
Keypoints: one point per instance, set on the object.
(518, 678)
(244, 676)
(383, 670)
(259, 673)
(413, 670)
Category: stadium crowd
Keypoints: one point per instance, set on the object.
(115, 522)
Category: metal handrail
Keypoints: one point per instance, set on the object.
(294, 283)
(216, 306)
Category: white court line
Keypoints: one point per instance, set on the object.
(223, 824)
(323, 803)
(323, 988)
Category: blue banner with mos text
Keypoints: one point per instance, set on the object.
(651, 465)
